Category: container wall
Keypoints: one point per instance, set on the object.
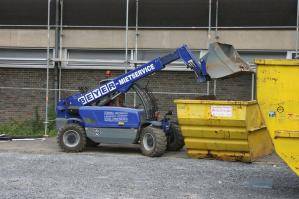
(278, 98)
(226, 130)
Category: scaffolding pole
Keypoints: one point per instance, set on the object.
(209, 39)
(136, 30)
(48, 63)
(216, 21)
(136, 45)
(60, 51)
(126, 35)
(210, 19)
(57, 51)
(215, 87)
(156, 27)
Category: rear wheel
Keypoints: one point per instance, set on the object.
(153, 142)
(175, 140)
(72, 138)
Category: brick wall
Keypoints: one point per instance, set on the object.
(18, 104)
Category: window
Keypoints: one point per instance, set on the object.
(115, 59)
(23, 58)
(94, 59)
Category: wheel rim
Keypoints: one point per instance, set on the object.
(148, 142)
(71, 138)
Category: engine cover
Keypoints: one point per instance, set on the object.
(111, 117)
(108, 124)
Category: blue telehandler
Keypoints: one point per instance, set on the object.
(90, 117)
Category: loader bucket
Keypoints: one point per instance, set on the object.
(278, 99)
(222, 61)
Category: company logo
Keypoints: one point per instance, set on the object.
(96, 93)
(135, 75)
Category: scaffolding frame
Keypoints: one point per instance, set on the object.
(59, 58)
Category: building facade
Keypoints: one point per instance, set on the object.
(86, 38)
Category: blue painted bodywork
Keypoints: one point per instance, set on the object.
(121, 84)
(111, 117)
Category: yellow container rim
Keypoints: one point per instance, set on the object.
(280, 62)
(214, 102)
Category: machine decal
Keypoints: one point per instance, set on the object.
(110, 116)
(136, 74)
(96, 93)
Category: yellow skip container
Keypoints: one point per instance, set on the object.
(226, 130)
(278, 98)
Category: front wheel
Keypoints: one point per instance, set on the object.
(153, 142)
(72, 138)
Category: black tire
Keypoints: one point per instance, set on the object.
(90, 143)
(153, 142)
(175, 140)
(72, 138)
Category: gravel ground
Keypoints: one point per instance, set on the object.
(36, 169)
